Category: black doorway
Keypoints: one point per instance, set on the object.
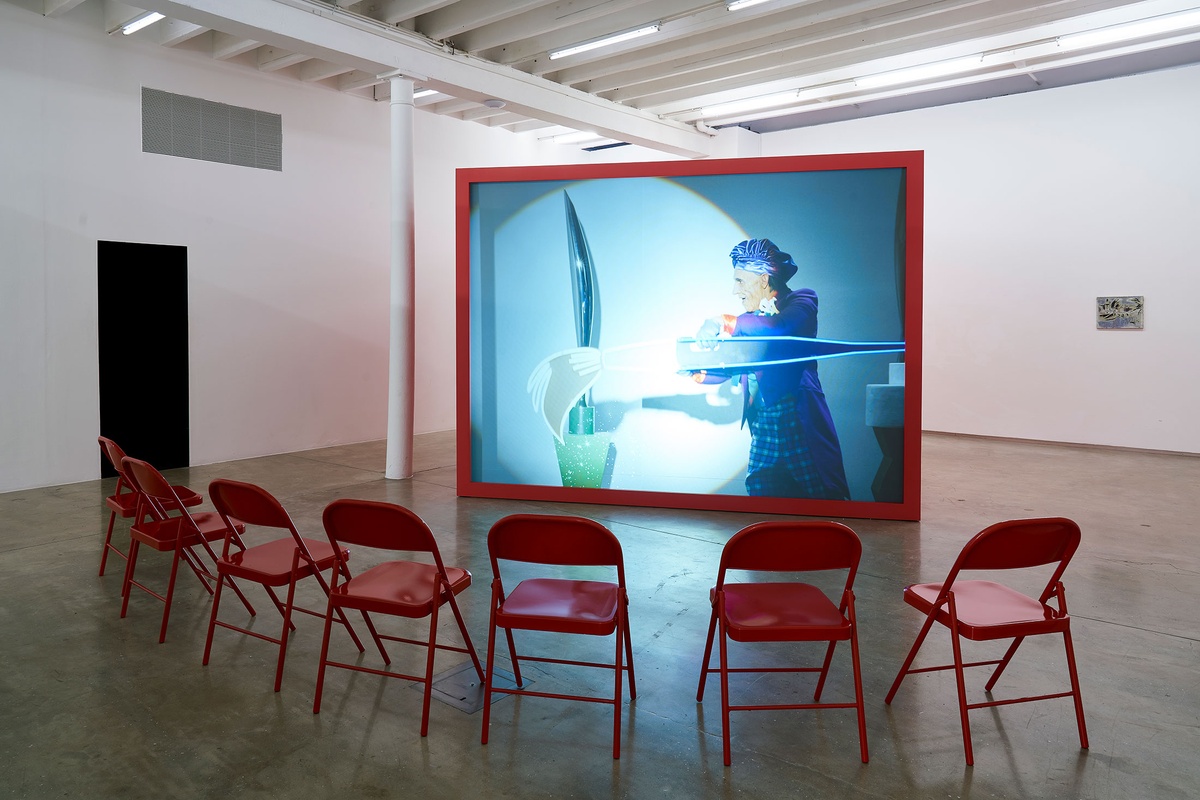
(143, 351)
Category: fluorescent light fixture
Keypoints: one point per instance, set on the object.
(749, 104)
(424, 93)
(766, 101)
(144, 21)
(1154, 26)
(604, 41)
(578, 137)
(828, 90)
(736, 5)
(921, 72)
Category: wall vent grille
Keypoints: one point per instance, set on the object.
(188, 127)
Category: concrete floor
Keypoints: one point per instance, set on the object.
(93, 707)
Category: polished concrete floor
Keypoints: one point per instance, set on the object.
(94, 707)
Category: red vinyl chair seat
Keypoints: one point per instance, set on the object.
(125, 503)
(566, 606)
(399, 588)
(782, 612)
(163, 534)
(988, 610)
(270, 563)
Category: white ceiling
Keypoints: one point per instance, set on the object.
(811, 56)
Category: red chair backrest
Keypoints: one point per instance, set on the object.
(147, 480)
(385, 526)
(248, 503)
(553, 539)
(1019, 544)
(779, 546)
(113, 452)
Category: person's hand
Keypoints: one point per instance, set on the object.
(709, 333)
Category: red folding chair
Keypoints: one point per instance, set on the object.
(785, 611)
(561, 605)
(178, 535)
(983, 610)
(123, 502)
(272, 564)
(398, 588)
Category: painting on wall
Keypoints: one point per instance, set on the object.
(648, 334)
(1120, 313)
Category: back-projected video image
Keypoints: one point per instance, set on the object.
(745, 337)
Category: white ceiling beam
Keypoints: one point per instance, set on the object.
(56, 8)
(838, 60)
(537, 22)
(271, 59)
(173, 32)
(394, 12)
(322, 31)
(465, 15)
(526, 126)
(684, 42)
(479, 113)
(629, 16)
(827, 49)
(226, 45)
(318, 70)
(358, 79)
(452, 106)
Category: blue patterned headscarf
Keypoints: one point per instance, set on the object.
(761, 256)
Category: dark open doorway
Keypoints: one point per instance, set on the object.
(143, 345)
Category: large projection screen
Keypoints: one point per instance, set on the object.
(612, 350)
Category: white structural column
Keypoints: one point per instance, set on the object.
(401, 351)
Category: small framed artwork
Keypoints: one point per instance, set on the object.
(1120, 313)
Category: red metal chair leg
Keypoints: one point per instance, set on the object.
(130, 566)
(912, 654)
(1076, 696)
(628, 649)
(962, 686)
(283, 638)
(324, 658)
(212, 618)
(824, 671)
(488, 673)
(1012, 649)
(724, 656)
(462, 629)
(112, 518)
(433, 618)
(619, 674)
(858, 689)
(169, 596)
(712, 629)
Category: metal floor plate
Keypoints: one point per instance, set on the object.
(461, 688)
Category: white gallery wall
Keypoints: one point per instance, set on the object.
(1036, 204)
(288, 272)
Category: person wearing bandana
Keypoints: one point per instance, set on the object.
(794, 448)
